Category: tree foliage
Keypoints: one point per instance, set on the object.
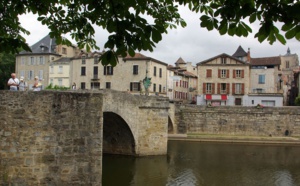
(7, 66)
(130, 30)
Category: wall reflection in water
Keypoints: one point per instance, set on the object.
(207, 164)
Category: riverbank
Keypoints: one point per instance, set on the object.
(236, 139)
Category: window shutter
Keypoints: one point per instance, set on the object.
(219, 86)
(227, 88)
(139, 86)
(213, 88)
(112, 70)
(242, 73)
(130, 86)
(243, 88)
(233, 88)
(227, 73)
(219, 73)
(208, 72)
(204, 88)
(233, 75)
(104, 70)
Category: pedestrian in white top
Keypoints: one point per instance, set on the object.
(22, 84)
(36, 85)
(13, 82)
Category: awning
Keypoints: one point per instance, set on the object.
(215, 97)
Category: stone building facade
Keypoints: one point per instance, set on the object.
(223, 80)
(37, 62)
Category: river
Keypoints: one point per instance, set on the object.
(207, 164)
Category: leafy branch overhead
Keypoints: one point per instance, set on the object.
(130, 30)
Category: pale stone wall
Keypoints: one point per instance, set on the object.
(271, 79)
(146, 116)
(50, 138)
(64, 75)
(241, 121)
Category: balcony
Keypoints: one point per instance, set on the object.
(95, 78)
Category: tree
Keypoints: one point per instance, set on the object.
(130, 30)
(7, 66)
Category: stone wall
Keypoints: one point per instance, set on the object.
(50, 138)
(234, 120)
(147, 118)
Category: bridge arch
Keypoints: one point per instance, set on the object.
(117, 135)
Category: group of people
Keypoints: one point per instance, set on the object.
(15, 84)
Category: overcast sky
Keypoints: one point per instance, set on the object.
(192, 43)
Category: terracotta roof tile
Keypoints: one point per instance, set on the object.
(266, 61)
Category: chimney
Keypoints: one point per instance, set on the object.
(248, 56)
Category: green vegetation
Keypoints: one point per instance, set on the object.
(7, 66)
(130, 30)
(56, 87)
(297, 101)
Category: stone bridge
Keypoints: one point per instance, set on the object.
(57, 138)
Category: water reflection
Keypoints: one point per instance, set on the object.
(202, 164)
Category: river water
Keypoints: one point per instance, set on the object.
(207, 164)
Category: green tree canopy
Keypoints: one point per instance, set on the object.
(130, 30)
(7, 66)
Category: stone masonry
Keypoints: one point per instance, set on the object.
(241, 121)
(56, 138)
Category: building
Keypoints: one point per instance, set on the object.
(128, 75)
(223, 80)
(37, 62)
(182, 82)
(266, 85)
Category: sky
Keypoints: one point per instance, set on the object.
(192, 43)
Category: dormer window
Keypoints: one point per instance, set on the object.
(64, 50)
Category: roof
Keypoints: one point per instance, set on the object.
(63, 59)
(139, 56)
(218, 56)
(240, 52)
(265, 61)
(180, 61)
(46, 45)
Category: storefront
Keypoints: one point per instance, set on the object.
(215, 100)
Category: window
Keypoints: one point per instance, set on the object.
(108, 70)
(223, 89)
(223, 73)
(95, 75)
(64, 50)
(287, 64)
(208, 88)
(41, 74)
(30, 74)
(23, 59)
(154, 71)
(32, 60)
(22, 73)
(261, 79)
(83, 60)
(159, 88)
(160, 72)
(154, 87)
(83, 71)
(96, 60)
(135, 69)
(238, 73)
(108, 85)
(95, 85)
(223, 60)
(208, 73)
(60, 82)
(238, 88)
(135, 86)
(82, 85)
(51, 70)
(60, 69)
(41, 60)
(51, 81)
